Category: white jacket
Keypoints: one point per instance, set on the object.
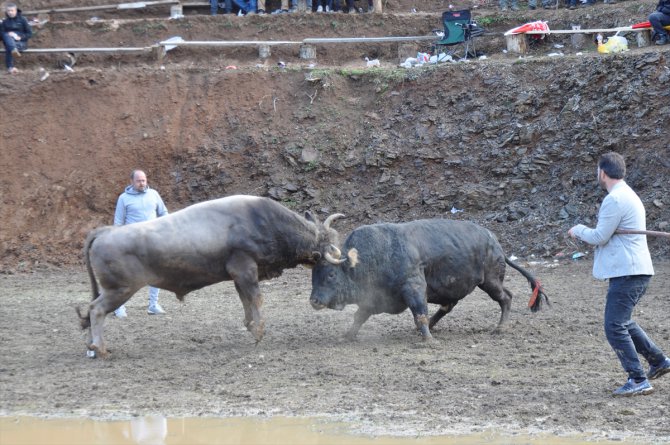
(618, 255)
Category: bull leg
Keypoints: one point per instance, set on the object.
(248, 316)
(244, 272)
(441, 312)
(360, 317)
(504, 298)
(106, 302)
(414, 295)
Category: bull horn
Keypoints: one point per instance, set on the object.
(334, 258)
(332, 218)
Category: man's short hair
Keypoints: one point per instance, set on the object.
(10, 5)
(613, 164)
(132, 173)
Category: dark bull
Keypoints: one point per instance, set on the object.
(388, 268)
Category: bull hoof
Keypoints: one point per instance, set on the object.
(349, 338)
(98, 352)
(258, 331)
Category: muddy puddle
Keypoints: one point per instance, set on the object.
(156, 430)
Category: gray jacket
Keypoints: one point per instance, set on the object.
(618, 255)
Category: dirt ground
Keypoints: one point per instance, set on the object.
(508, 142)
(549, 372)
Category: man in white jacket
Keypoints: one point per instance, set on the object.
(139, 203)
(624, 260)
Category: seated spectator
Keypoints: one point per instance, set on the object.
(214, 6)
(15, 32)
(659, 19)
(246, 6)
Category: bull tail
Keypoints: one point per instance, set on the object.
(85, 320)
(538, 299)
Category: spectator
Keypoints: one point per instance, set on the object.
(15, 34)
(333, 6)
(139, 203)
(352, 7)
(214, 6)
(546, 4)
(659, 19)
(247, 7)
(503, 5)
(294, 6)
(625, 261)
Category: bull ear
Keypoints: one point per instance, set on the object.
(316, 255)
(353, 257)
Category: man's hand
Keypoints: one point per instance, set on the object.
(572, 233)
(14, 35)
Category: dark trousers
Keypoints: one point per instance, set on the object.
(623, 334)
(658, 20)
(10, 45)
(214, 6)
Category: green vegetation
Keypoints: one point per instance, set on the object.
(145, 28)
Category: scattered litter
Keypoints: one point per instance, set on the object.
(614, 44)
(162, 67)
(94, 19)
(68, 68)
(513, 258)
(504, 51)
(579, 54)
(578, 255)
(558, 45)
(558, 54)
(370, 63)
(483, 57)
(90, 353)
(413, 10)
(281, 64)
(311, 65)
(231, 67)
(44, 74)
(455, 210)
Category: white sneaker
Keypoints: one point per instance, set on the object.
(328, 8)
(120, 312)
(155, 309)
(320, 8)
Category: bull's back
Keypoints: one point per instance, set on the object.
(455, 256)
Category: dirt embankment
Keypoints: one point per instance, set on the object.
(511, 142)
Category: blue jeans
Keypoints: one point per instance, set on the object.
(246, 6)
(11, 44)
(214, 6)
(658, 20)
(623, 334)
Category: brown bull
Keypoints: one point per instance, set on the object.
(245, 239)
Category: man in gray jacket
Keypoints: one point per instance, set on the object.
(139, 203)
(624, 260)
